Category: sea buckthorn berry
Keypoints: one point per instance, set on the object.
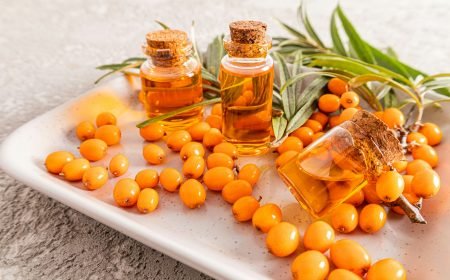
(379, 114)
(390, 186)
(152, 132)
(212, 138)
(95, 177)
(153, 154)
(400, 165)
(318, 236)
(250, 173)
(314, 125)
(334, 121)
(109, 133)
(55, 161)
(148, 200)
(349, 99)
(344, 218)
(356, 199)
(192, 193)
(217, 177)
(337, 86)
(85, 130)
(305, 134)
(432, 132)
(193, 167)
(244, 208)
(192, 149)
(198, 130)
(227, 148)
(370, 194)
(170, 179)
(177, 139)
(426, 153)
(347, 114)
(219, 159)
(417, 165)
(236, 189)
(240, 101)
(105, 118)
(417, 138)
(317, 136)
(266, 216)
(310, 265)
(329, 103)
(320, 117)
(214, 121)
(348, 254)
(343, 274)
(426, 183)
(372, 218)
(93, 149)
(407, 179)
(216, 109)
(126, 192)
(291, 143)
(393, 117)
(147, 178)
(282, 239)
(118, 165)
(74, 170)
(386, 269)
(285, 157)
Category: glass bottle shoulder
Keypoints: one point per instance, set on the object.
(188, 69)
(247, 66)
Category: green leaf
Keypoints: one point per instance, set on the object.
(391, 52)
(194, 44)
(279, 127)
(338, 46)
(389, 62)
(120, 69)
(163, 25)
(296, 69)
(287, 93)
(390, 99)
(303, 18)
(291, 30)
(214, 54)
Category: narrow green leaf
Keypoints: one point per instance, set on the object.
(382, 91)
(303, 19)
(338, 46)
(389, 62)
(194, 44)
(296, 69)
(391, 52)
(434, 77)
(279, 127)
(133, 59)
(163, 25)
(131, 65)
(214, 54)
(286, 95)
(291, 30)
(390, 99)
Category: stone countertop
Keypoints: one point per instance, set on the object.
(48, 54)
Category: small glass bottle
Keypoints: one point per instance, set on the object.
(246, 80)
(340, 163)
(171, 78)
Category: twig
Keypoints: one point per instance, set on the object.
(411, 210)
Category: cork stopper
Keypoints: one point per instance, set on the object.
(248, 31)
(167, 47)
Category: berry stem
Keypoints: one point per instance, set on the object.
(411, 210)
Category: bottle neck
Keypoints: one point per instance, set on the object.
(168, 62)
(247, 65)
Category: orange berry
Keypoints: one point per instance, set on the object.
(417, 138)
(318, 236)
(317, 136)
(93, 149)
(370, 194)
(390, 186)
(192, 149)
(400, 165)
(357, 199)
(305, 134)
(105, 118)
(386, 269)
(426, 153)
(320, 117)
(193, 167)
(329, 103)
(310, 265)
(372, 218)
(349, 99)
(285, 157)
(334, 121)
(147, 178)
(407, 179)
(214, 121)
(337, 86)
(283, 239)
(226, 148)
(244, 208)
(212, 138)
(250, 173)
(192, 193)
(118, 165)
(432, 132)
(152, 132)
(291, 143)
(236, 189)
(393, 117)
(170, 179)
(85, 130)
(217, 177)
(148, 200)
(95, 177)
(266, 216)
(379, 114)
(126, 192)
(55, 161)
(416, 165)
(348, 254)
(314, 125)
(344, 218)
(153, 154)
(426, 183)
(347, 114)
(216, 109)
(109, 133)
(177, 139)
(219, 159)
(74, 169)
(198, 130)
(343, 274)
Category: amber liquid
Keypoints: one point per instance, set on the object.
(165, 93)
(247, 109)
(320, 180)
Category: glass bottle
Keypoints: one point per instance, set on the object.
(340, 163)
(246, 79)
(171, 78)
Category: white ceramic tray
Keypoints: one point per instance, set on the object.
(208, 238)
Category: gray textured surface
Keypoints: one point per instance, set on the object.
(48, 52)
